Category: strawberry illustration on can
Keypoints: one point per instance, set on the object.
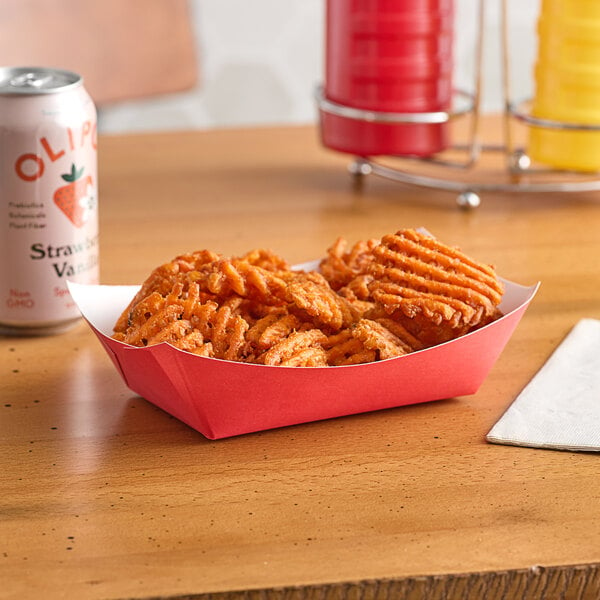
(77, 199)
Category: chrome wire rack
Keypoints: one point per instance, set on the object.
(517, 164)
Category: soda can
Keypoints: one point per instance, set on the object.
(48, 198)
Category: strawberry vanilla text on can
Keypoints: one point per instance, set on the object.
(48, 198)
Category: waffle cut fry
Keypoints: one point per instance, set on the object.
(436, 291)
(375, 300)
(163, 278)
(342, 265)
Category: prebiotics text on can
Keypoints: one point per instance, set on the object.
(48, 198)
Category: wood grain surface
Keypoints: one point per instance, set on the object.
(103, 496)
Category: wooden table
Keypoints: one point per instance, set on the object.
(105, 496)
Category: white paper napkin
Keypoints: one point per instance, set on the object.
(560, 407)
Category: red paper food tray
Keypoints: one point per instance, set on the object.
(221, 398)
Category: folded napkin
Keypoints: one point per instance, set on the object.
(560, 407)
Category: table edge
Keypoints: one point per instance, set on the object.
(576, 582)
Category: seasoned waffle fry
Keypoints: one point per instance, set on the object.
(344, 349)
(373, 301)
(272, 329)
(266, 259)
(357, 288)
(246, 280)
(163, 278)
(434, 290)
(341, 266)
(288, 349)
(402, 333)
(319, 301)
(309, 357)
(376, 337)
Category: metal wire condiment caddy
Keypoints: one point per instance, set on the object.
(514, 171)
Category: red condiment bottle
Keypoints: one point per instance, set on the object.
(388, 56)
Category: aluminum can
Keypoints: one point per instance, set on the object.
(48, 198)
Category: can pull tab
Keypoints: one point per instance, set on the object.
(29, 80)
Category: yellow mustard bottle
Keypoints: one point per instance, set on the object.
(567, 85)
